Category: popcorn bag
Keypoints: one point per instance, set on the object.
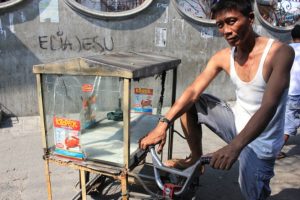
(66, 137)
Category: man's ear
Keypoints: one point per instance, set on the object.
(251, 17)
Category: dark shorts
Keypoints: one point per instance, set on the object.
(217, 116)
(254, 173)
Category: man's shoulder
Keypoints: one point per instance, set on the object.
(223, 52)
(221, 59)
(276, 43)
(281, 55)
(281, 48)
(279, 44)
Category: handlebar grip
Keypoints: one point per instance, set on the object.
(151, 147)
(205, 160)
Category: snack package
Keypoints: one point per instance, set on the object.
(89, 106)
(66, 137)
(143, 100)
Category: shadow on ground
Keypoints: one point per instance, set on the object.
(287, 194)
(223, 185)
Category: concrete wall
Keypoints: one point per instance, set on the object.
(26, 40)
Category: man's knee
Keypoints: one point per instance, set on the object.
(254, 179)
(190, 115)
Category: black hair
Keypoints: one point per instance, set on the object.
(295, 33)
(243, 6)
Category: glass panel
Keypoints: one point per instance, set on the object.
(198, 10)
(78, 120)
(111, 5)
(145, 95)
(109, 8)
(84, 115)
(280, 15)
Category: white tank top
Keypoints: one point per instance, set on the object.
(248, 100)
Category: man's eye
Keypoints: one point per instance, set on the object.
(231, 21)
(220, 25)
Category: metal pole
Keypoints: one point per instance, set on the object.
(126, 113)
(171, 129)
(124, 185)
(126, 136)
(44, 134)
(82, 183)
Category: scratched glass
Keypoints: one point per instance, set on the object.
(109, 8)
(75, 106)
(278, 15)
(84, 115)
(196, 10)
(111, 5)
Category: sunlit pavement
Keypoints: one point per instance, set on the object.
(23, 176)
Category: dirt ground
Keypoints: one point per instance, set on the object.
(23, 176)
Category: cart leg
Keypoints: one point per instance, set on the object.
(87, 177)
(47, 173)
(82, 183)
(124, 186)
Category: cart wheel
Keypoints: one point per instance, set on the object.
(106, 188)
(98, 186)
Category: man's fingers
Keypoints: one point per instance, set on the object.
(159, 149)
(228, 166)
(161, 146)
(212, 161)
(143, 145)
(216, 161)
(152, 138)
(141, 142)
(221, 162)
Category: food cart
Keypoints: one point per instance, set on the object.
(95, 109)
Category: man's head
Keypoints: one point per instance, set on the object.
(243, 6)
(295, 33)
(234, 19)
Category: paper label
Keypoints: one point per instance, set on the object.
(66, 137)
(143, 100)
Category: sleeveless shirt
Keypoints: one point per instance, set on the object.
(248, 100)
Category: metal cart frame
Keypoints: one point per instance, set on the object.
(127, 65)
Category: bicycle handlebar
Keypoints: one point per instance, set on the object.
(188, 173)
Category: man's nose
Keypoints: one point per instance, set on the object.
(226, 30)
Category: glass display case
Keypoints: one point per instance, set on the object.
(95, 109)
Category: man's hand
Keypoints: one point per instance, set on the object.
(157, 135)
(225, 157)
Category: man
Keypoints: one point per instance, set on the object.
(292, 113)
(260, 68)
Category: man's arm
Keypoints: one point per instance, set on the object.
(281, 61)
(184, 103)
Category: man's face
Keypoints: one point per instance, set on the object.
(234, 26)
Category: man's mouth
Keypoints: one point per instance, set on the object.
(232, 39)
